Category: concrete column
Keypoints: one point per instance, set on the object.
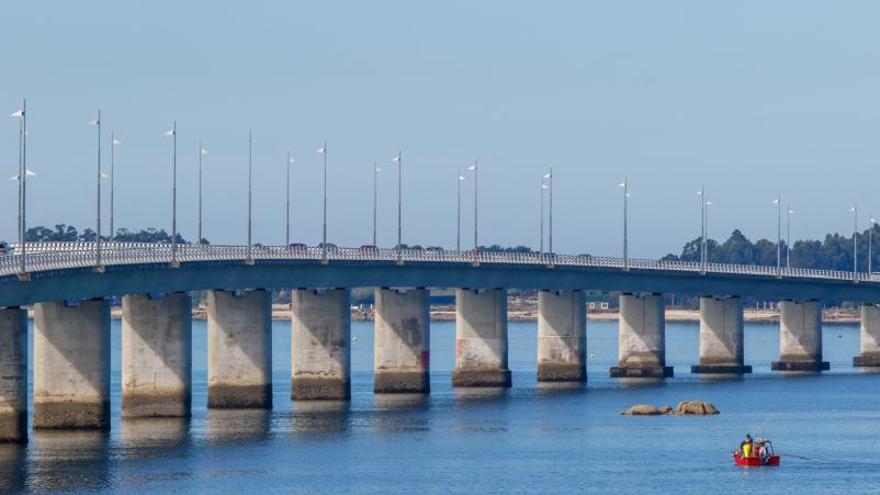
(321, 344)
(240, 349)
(481, 339)
(72, 365)
(870, 337)
(800, 337)
(642, 336)
(401, 357)
(13, 375)
(156, 355)
(721, 336)
(562, 336)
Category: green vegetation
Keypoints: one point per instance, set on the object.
(69, 233)
(834, 253)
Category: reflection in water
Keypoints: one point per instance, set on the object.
(480, 395)
(13, 474)
(401, 413)
(69, 460)
(320, 416)
(141, 435)
(551, 388)
(641, 382)
(720, 377)
(234, 425)
(488, 398)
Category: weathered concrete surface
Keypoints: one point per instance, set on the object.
(800, 337)
(721, 336)
(321, 344)
(240, 349)
(641, 337)
(401, 352)
(72, 365)
(156, 355)
(13, 376)
(869, 355)
(562, 336)
(481, 339)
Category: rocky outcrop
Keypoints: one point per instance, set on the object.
(644, 410)
(695, 407)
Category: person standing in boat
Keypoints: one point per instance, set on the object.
(746, 446)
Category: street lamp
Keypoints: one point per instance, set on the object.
(287, 167)
(458, 213)
(476, 168)
(870, 247)
(323, 151)
(541, 244)
(788, 237)
(250, 247)
(22, 182)
(399, 160)
(549, 177)
(778, 203)
(173, 134)
(855, 212)
(707, 204)
(376, 171)
(97, 123)
(113, 143)
(202, 153)
(625, 187)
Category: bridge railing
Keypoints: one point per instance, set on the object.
(44, 256)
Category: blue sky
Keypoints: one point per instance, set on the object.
(746, 97)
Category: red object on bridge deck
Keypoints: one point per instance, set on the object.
(739, 460)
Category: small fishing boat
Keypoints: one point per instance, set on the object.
(769, 457)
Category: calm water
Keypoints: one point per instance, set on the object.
(525, 440)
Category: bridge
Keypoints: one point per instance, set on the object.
(69, 286)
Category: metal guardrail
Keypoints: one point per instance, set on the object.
(46, 256)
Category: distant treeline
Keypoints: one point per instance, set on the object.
(834, 253)
(69, 233)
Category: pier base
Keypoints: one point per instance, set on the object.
(800, 337)
(721, 337)
(72, 365)
(321, 344)
(869, 355)
(401, 354)
(481, 339)
(156, 355)
(13, 376)
(562, 336)
(642, 338)
(240, 349)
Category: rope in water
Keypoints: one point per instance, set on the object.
(828, 461)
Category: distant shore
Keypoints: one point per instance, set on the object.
(281, 312)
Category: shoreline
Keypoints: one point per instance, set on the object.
(281, 312)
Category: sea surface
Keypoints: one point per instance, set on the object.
(528, 439)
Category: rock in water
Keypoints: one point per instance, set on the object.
(695, 407)
(642, 410)
(666, 410)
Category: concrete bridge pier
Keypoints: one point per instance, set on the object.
(562, 336)
(156, 355)
(642, 336)
(481, 339)
(13, 376)
(721, 336)
(72, 365)
(321, 344)
(800, 337)
(402, 341)
(240, 349)
(869, 356)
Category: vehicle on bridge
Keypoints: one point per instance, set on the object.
(5, 248)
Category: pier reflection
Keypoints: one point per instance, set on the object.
(401, 413)
(150, 437)
(13, 468)
(237, 425)
(561, 388)
(321, 416)
(69, 461)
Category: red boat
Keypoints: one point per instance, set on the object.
(767, 456)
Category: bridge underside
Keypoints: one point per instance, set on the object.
(81, 283)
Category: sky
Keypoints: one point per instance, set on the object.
(749, 98)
